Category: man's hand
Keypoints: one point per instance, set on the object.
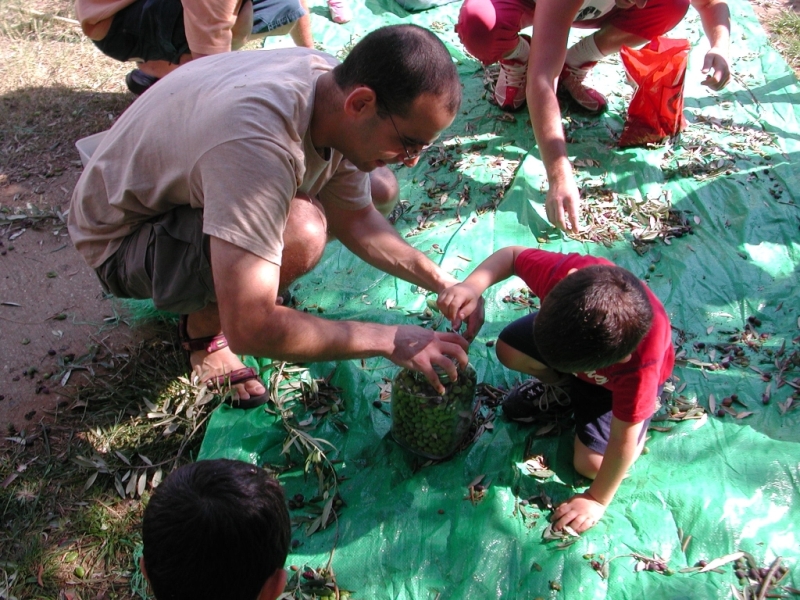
(563, 205)
(579, 512)
(716, 70)
(420, 349)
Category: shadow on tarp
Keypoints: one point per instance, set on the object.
(409, 533)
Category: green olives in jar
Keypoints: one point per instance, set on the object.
(427, 423)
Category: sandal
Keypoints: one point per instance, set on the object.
(212, 344)
(340, 12)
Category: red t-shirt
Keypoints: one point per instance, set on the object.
(634, 384)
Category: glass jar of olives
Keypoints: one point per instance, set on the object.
(427, 423)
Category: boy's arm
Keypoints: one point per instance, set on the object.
(583, 511)
(459, 301)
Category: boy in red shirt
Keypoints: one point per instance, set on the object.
(601, 333)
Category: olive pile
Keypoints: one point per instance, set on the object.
(427, 423)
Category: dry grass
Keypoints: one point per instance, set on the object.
(785, 28)
(74, 486)
(55, 88)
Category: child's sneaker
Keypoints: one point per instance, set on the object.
(533, 400)
(570, 84)
(340, 12)
(509, 91)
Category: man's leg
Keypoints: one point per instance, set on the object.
(304, 243)
(385, 190)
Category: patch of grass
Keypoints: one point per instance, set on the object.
(786, 31)
(74, 490)
(55, 88)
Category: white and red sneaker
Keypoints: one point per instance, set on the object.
(570, 85)
(509, 91)
(340, 12)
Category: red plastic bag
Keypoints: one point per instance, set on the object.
(656, 109)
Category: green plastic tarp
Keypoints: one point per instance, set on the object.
(406, 530)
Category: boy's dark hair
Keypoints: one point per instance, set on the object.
(399, 63)
(215, 529)
(592, 319)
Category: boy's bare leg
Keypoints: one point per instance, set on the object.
(304, 243)
(587, 462)
(521, 362)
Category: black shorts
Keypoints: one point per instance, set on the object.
(592, 402)
(147, 30)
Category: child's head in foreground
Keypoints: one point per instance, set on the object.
(216, 529)
(593, 318)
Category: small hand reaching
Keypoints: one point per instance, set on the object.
(716, 70)
(458, 302)
(580, 512)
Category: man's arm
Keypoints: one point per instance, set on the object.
(247, 287)
(551, 24)
(368, 235)
(583, 511)
(716, 19)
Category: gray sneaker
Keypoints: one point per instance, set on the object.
(534, 401)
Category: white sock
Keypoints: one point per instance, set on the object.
(520, 52)
(583, 52)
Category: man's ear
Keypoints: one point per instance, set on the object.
(274, 586)
(360, 102)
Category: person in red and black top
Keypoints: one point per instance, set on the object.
(600, 343)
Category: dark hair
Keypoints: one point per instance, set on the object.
(592, 319)
(400, 63)
(215, 529)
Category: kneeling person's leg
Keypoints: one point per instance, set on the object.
(516, 350)
(304, 239)
(593, 426)
(165, 260)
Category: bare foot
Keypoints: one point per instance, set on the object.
(223, 362)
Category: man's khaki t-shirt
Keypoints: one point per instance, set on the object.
(228, 134)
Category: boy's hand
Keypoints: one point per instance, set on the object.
(457, 303)
(580, 512)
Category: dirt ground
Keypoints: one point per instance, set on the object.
(56, 325)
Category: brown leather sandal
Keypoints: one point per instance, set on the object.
(219, 382)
